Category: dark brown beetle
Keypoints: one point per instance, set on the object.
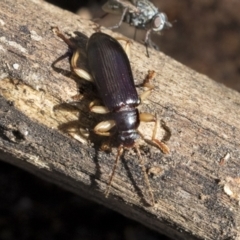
(111, 72)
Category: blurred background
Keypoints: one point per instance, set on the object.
(206, 37)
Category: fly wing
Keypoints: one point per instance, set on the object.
(112, 7)
(111, 71)
(131, 5)
(117, 6)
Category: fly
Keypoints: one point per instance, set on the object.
(141, 14)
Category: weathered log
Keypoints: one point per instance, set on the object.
(195, 186)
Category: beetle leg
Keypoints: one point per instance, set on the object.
(145, 94)
(80, 72)
(103, 128)
(160, 144)
(98, 108)
(147, 117)
(148, 85)
(80, 135)
(126, 47)
(167, 130)
(75, 57)
(70, 43)
(150, 76)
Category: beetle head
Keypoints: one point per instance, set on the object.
(127, 138)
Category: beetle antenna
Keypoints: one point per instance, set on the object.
(141, 162)
(119, 154)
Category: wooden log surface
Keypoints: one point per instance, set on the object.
(196, 186)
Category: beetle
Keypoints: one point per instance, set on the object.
(141, 14)
(111, 72)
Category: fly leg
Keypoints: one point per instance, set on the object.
(146, 41)
(121, 19)
(149, 43)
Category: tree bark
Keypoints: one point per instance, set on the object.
(195, 186)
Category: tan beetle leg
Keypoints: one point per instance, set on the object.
(147, 84)
(147, 117)
(160, 144)
(80, 72)
(145, 94)
(127, 45)
(99, 109)
(94, 107)
(103, 128)
(150, 75)
(81, 135)
(76, 55)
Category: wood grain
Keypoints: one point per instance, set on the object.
(195, 186)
